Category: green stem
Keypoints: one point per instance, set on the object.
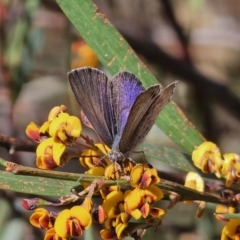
(184, 192)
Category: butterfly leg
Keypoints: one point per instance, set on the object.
(144, 157)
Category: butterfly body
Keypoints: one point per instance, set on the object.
(115, 155)
(120, 110)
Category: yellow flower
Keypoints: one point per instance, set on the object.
(84, 55)
(65, 128)
(231, 168)
(110, 223)
(59, 155)
(117, 233)
(207, 157)
(90, 158)
(50, 154)
(44, 129)
(121, 231)
(113, 204)
(122, 218)
(194, 181)
(137, 203)
(32, 131)
(142, 176)
(231, 230)
(44, 154)
(106, 190)
(54, 112)
(41, 219)
(118, 223)
(127, 166)
(108, 234)
(113, 172)
(157, 212)
(51, 235)
(96, 171)
(72, 222)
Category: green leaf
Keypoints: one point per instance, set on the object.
(116, 55)
(173, 158)
(35, 185)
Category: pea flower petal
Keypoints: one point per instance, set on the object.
(41, 219)
(72, 222)
(111, 204)
(32, 131)
(207, 157)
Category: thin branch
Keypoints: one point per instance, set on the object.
(168, 8)
(184, 192)
(14, 144)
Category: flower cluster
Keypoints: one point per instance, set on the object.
(122, 205)
(126, 208)
(53, 136)
(209, 159)
(68, 223)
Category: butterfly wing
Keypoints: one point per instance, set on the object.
(92, 91)
(143, 115)
(125, 89)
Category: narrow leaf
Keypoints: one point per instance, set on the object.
(35, 185)
(116, 55)
(173, 158)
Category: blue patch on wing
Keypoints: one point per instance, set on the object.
(125, 89)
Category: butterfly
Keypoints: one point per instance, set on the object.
(120, 110)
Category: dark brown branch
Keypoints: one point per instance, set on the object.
(14, 144)
(51, 5)
(168, 8)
